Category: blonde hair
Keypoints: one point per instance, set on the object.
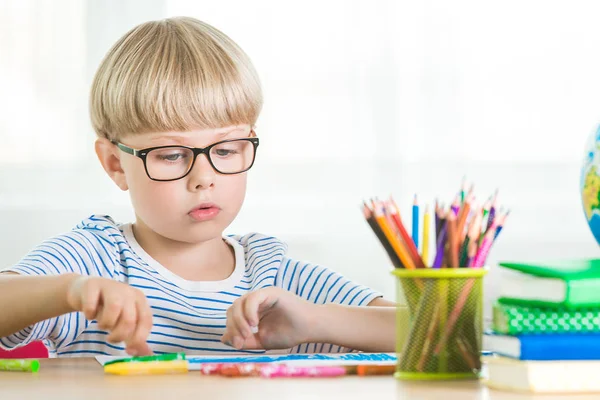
(175, 74)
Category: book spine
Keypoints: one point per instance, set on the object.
(583, 292)
(516, 320)
(560, 347)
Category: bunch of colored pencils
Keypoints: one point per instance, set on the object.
(464, 232)
(442, 311)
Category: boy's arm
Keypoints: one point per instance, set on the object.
(61, 285)
(27, 300)
(370, 329)
(381, 302)
(322, 286)
(119, 308)
(274, 318)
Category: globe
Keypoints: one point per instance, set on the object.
(590, 183)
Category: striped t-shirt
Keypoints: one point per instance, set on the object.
(188, 316)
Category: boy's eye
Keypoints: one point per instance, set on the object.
(171, 155)
(225, 152)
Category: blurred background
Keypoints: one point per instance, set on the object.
(362, 98)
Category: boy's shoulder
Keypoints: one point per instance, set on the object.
(258, 242)
(98, 223)
(100, 227)
(99, 232)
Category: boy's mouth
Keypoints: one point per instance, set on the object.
(204, 212)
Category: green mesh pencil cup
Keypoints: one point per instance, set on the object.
(439, 323)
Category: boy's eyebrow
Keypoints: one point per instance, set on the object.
(225, 133)
(182, 139)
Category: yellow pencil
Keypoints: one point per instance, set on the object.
(426, 223)
(393, 239)
(147, 368)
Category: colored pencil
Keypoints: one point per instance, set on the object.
(455, 206)
(462, 217)
(462, 251)
(471, 252)
(492, 214)
(368, 214)
(486, 211)
(147, 368)
(485, 246)
(501, 224)
(288, 371)
(439, 216)
(398, 247)
(441, 244)
(454, 314)
(467, 356)
(393, 209)
(415, 222)
(452, 241)
(471, 190)
(20, 365)
(425, 245)
(436, 208)
(429, 336)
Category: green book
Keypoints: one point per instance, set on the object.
(569, 284)
(510, 319)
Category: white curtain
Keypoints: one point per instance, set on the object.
(362, 98)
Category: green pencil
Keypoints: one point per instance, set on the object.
(159, 357)
(29, 365)
(486, 211)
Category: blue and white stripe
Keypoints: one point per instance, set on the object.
(188, 316)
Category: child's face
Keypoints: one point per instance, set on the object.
(195, 208)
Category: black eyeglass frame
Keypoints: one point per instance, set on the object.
(143, 153)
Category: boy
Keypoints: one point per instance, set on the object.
(174, 104)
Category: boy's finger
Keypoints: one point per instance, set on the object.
(251, 308)
(252, 343)
(138, 350)
(89, 301)
(256, 301)
(240, 318)
(126, 324)
(109, 313)
(137, 339)
(226, 338)
(231, 327)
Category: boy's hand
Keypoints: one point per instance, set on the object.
(119, 308)
(282, 319)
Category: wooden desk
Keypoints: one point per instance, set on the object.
(83, 378)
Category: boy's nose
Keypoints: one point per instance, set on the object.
(202, 175)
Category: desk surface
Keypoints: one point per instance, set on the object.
(83, 378)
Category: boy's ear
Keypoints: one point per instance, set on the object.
(109, 157)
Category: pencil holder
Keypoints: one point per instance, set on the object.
(439, 323)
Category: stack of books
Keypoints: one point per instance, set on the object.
(545, 334)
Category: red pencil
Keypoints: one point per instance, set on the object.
(408, 243)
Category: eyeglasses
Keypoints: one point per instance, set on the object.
(170, 163)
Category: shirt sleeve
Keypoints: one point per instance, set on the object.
(85, 252)
(321, 285)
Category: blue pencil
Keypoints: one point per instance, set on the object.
(501, 224)
(415, 222)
